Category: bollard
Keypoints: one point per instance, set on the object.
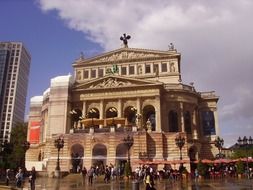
(135, 185)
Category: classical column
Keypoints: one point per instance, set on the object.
(182, 116)
(101, 112)
(89, 75)
(119, 110)
(119, 66)
(158, 114)
(139, 112)
(152, 68)
(84, 108)
(135, 70)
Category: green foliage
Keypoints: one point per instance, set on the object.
(243, 152)
(202, 168)
(239, 167)
(127, 170)
(16, 157)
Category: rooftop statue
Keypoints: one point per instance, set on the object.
(124, 38)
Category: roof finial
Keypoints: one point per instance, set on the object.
(124, 38)
(81, 56)
(171, 47)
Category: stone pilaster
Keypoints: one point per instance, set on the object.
(158, 113)
(182, 117)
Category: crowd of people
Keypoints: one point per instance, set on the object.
(19, 176)
(143, 174)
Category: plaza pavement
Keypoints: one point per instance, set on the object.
(76, 182)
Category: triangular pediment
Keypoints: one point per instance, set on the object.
(125, 54)
(113, 81)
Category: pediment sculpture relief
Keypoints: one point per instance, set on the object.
(126, 55)
(111, 82)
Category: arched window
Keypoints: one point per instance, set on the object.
(149, 115)
(187, 122)
(173, 121)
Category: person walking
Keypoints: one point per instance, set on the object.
(149, 181)
(32, 178)
(8, 177)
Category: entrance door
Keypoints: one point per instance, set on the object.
(77, 158)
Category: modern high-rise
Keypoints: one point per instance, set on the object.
(14, 71)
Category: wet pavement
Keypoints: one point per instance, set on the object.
(76, 182)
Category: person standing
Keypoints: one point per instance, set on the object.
(7, 177)
(19, 178)
(90, 175)
(32, 178)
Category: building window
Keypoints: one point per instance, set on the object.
(93, 73)
(123, 70)
(131, 70)
(86, 74)
(100, 72)
(173, 121)
(187, 122)
(164, 67)
(208, 123)
(147, 69)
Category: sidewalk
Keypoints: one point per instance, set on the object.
(76, 182)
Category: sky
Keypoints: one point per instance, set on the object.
(213, 37)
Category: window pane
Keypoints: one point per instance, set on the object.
(131, 70)
(123, 71)
(147, 69)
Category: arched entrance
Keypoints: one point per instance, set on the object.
(149, 115)
(99, 155)
(111, 112)
(76, 114)
(121, 157)
(77, 151)
(93, 113)
(130, 114)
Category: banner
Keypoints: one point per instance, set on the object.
(34, 132)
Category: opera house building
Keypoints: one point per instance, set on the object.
(128, 104)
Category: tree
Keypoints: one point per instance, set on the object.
(243, 152)
(18, 137)
(239, 167)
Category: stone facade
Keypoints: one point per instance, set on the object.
(128, 91)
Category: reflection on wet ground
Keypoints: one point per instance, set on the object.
(76, 182)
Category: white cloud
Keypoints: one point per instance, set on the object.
(213, 36)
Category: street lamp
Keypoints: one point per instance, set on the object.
(180, 141)
(246, 143)
(59, 144)
(219, 142)
(128, 141)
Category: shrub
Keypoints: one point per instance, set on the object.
(202, 168)
(239, 167)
